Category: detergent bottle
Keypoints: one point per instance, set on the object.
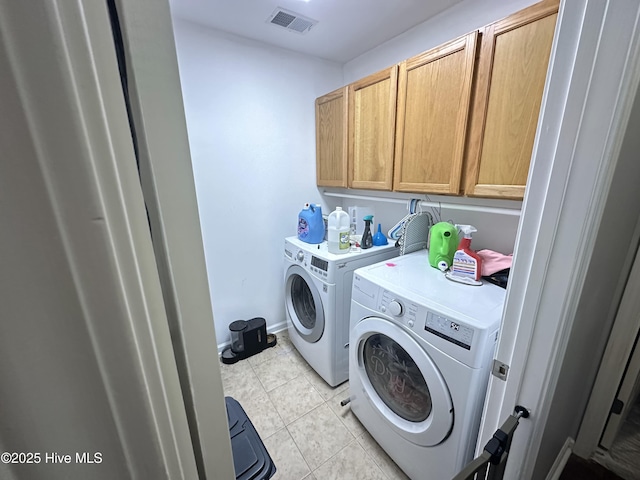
(367, 238)
(310, 224)
(466, 262)
(443, 241)
(338, 232)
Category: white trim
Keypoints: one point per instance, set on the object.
(592, 75)
(561, 460)
(619, 348)
(61, 55)
(169, 191)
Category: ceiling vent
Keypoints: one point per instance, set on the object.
(294, 22)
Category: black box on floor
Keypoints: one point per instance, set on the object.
(250, 457)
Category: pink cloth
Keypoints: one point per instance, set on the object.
(493, 262)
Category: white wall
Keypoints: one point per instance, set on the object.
(251, 125)
(458, 20)
(250, 119)
(495, 231)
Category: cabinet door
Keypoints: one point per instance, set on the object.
(434, 96)
(372, 120)
(512, 69)
(331, 139)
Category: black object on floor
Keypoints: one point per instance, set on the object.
(250, 457)
(248, 337)
(580, 469)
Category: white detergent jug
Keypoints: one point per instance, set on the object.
(338, 231)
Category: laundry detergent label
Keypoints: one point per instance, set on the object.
(464, 265)
(344, 241)
(303, 228)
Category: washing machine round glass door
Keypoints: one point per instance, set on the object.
(402, 382)
(303, 303)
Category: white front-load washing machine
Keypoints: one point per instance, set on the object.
(318, 301)
(421, 347)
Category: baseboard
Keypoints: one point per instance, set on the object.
(561, 460)
(277, 328)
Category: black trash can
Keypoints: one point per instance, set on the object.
(250, 457)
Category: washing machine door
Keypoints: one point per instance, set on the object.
(402, 382)
(304, 304)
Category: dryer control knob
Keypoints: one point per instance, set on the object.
(410, 323)
(395, 308)
(300, 256)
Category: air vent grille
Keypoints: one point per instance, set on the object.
(283, 19)
(294, 22)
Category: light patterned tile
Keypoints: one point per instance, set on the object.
(276, 372)
(265, 355)
(234, 369)
(242, 384)
(345, 414)
(285, 454)
(285, 342)
(319, 435)
(299, 360)
(295, 398)
(380, 457)
(351, 462)
(263, 415)
(323, 388)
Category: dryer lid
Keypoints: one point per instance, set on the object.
(293, 244)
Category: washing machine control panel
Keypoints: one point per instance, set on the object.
(456, 333)
(416, 317)
(395, 308)
(319, 263)
(391, 305)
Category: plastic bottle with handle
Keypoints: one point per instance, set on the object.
(466, 262)
(338, 232)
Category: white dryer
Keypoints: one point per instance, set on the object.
(318, 301)
(419, 362)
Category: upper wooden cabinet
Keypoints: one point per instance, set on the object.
(331, 139)
(461, 116)
(372, 118)
(512, 69)
(434, 95)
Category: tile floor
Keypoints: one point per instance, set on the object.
(299, 418)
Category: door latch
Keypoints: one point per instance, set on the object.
(617, 407)
(499, 369)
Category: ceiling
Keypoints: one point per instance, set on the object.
(345, 28)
